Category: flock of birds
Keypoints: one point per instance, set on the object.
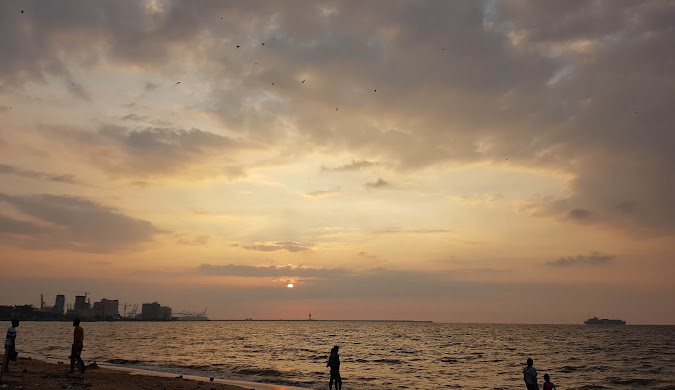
(273, 83)
(263, 44)
(237, 46)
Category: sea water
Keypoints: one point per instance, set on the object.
(376, 355)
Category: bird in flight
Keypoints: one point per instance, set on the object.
(336, 108)
(21, 11)
(374, 90)
(263, 43)
(238, 46)
(272, 83)
(303, 81)
(177, 82)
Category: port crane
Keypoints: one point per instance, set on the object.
(125, 309)
(132, 313)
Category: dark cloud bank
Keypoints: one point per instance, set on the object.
(584, 88)
(68, 222)
(11, 170)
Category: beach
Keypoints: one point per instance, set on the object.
(28, 373)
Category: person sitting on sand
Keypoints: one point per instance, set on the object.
(334, 364)
(76, 350)
(10, 345)
(547, 383)
(530, 376)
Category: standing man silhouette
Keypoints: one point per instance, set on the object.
(334, 364)
(10, 347)
(76, 350)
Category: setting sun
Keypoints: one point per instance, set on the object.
(290, 285)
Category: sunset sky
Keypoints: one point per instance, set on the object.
(453, 161)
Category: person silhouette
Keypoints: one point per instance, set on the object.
(530, 376)
(10, 346)
(334, 364)
(548, 385)
(76, 350)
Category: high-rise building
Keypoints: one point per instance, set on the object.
(164, 313)
(107, 309)
(81, 303)
(150, 311)
(59, 304)
(153, 311)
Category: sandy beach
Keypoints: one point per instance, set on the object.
(35, 374)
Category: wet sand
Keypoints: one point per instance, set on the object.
(35, 374)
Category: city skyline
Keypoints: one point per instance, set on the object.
(469, 161)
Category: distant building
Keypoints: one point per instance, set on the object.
(150, 311)
(81, 304)
(107, 309)
(59, 304)
(164, 313)
(154, 311)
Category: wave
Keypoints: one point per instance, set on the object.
(260, 372)
(569, 369)
(449, 359)
(388, 361)
(632, 381)
(124, 361)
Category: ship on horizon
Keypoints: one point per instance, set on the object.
(603, 321)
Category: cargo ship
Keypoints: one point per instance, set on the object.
(604, 321)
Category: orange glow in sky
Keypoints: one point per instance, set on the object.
(510, 164)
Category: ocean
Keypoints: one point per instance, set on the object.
(376, 355)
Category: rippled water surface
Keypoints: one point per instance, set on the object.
(377, 355)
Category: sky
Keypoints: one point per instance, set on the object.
(464, 161)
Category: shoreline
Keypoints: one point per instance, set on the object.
(42, 373)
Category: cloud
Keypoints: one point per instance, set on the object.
(79, 91)
(134, 117)
(155, 151)
(579, 214)
(289, 246)
(141, 183)
(528, 87)
(341, 283)
(395, 230)
(353, 166)
(319, 194)
(10, 170)
(69, 222)
(149, 87)
(192, 239)
(14, 226)
(380, 183)
(626, 207)
(270, 271)
(146, 119)
(595, 258)
(478, 199)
